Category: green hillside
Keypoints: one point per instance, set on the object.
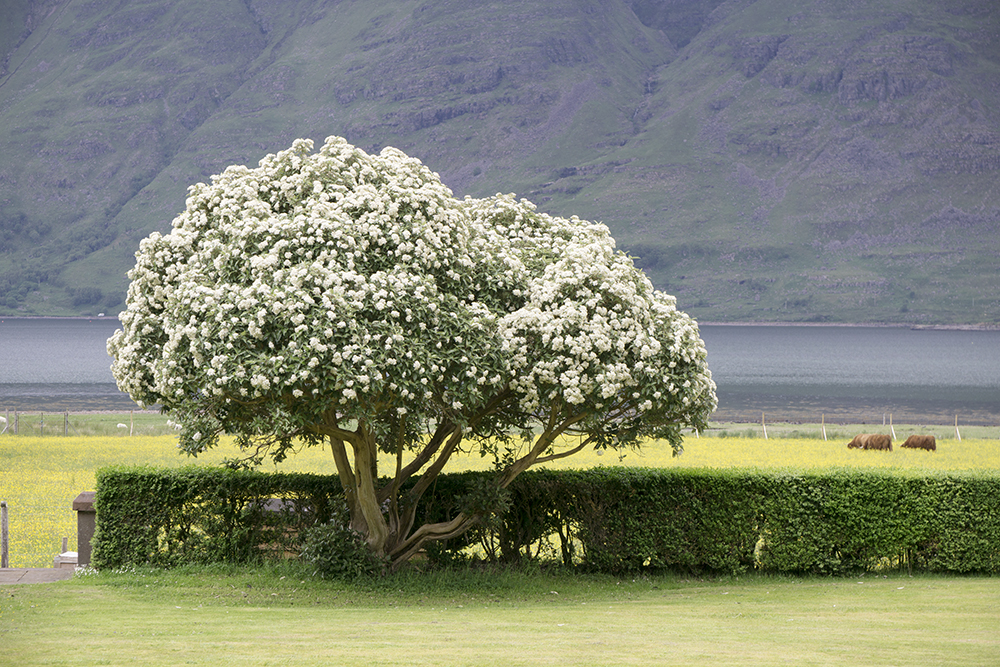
(769, 160)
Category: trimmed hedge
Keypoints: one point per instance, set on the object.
(166, 517)
(607, 519)
(830, 522)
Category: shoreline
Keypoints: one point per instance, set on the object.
(860, 325)
(58, 317)
(981, 326)
(726, 417)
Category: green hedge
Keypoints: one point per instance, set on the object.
(606, 519)
(166, 517)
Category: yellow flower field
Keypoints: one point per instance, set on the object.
(40, 477)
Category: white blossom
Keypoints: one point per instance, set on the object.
(342, 278)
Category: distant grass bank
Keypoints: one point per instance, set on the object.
(39, 423)
(152, 423)
(283, 616)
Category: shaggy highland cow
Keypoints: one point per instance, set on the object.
(921, 442)
(871, 441)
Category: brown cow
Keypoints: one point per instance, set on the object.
(921, 442)
(871, 441)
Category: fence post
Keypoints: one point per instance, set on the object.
(86, 523)
(15, 422)
(66, 424)
(4, 551)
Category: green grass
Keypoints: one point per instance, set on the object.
(282, 616)
(838, 431)
(112, 424)
(142, 423)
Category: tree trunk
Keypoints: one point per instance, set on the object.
(391, 532)
(368, 506)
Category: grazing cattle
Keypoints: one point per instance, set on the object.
(921, 442)
(871, 441)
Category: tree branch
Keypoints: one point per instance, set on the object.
(416, 493)
(430, 531)
(544, 441)
(419, 461)
(562, 455)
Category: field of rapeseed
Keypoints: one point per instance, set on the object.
(40, 477)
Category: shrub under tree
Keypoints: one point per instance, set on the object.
(350, 300)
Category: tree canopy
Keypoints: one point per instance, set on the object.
(348, 299)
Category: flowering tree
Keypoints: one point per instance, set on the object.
(349, 300)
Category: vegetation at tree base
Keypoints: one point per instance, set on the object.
(337, 551)
(612, 520)
(762, 160)
(349, 300)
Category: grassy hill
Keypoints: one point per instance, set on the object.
(771, 160)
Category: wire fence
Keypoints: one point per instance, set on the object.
(134, 423)
(808, 411)
(52, 424)
(768, 426)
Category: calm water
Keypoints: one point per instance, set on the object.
(791, 373)
(855, 374)
(52, 365)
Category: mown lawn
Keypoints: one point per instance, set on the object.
(282, 616)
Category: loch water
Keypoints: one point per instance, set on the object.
(58, 364)
(855, 374)
(789, 373)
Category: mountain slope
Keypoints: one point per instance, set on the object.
(776, 160)
(843, 166)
